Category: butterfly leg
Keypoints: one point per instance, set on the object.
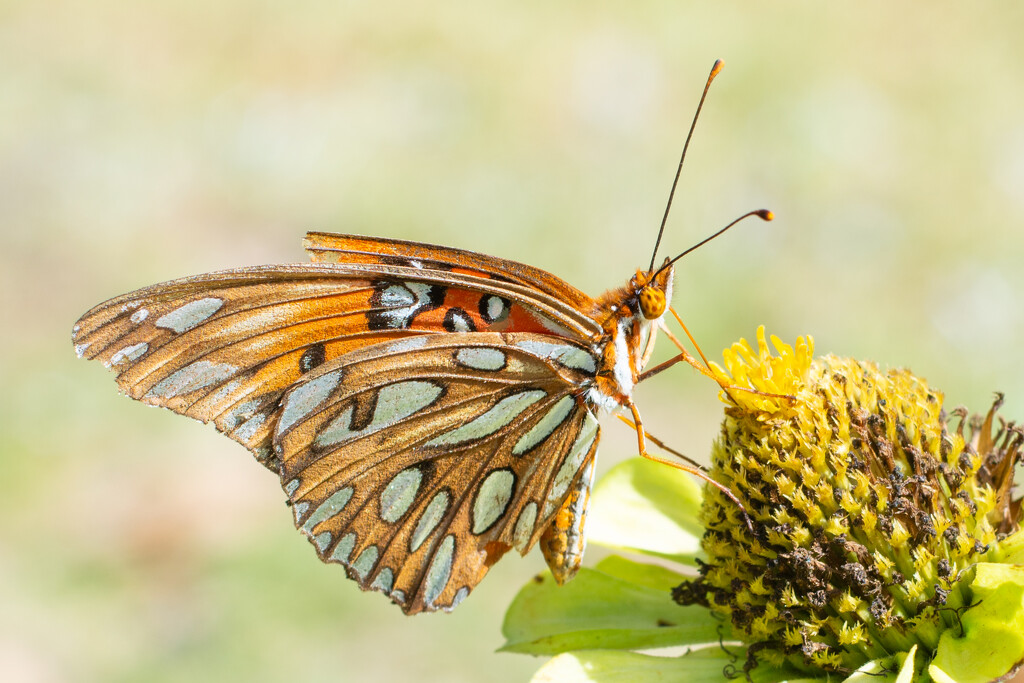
(662, 445)
(645, 357)
(696, 470)
(707, 366)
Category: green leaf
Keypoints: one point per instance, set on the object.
(707, 665)
(652, 576)
(646, 507)
(621, 604)
(993, 630)
(906, 674)
(611, 665)
(883, 670)
(939, 676)
(898, 668)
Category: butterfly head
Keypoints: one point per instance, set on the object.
(653, 290)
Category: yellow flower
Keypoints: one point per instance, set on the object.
(878, 534)
(870, 508)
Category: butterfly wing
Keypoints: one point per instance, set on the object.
(335, 248)
(418, 463)
(224, 347)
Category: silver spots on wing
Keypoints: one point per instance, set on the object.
(440, 571)
(291, 486)
(485, 358)
(457, 320)
(339, 429)
(139, 315)
(322, 540)
(524, 527)
(546, 426)
(394, 403)
(306, 398)
(460, 595)
(244, 411)
(494, 309)
(431, 517)
(249, 428)
(332, 506)
(384, 582)
(567, 355)
(398, 496)
(224, 392)
(299, 510)
(572, 463)
(343, 550)
(365, 562)
(397, 296)
(407, 344)
(395, 304)
(492, 499)
(129, 353)
(189, 316)
(80, 349)
(198, 375)
(501, 414)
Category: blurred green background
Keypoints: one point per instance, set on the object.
(145, 141)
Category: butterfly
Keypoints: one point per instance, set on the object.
(427, 409)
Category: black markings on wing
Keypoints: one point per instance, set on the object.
(224, 347)
(313, 357)
(395, 304)
(330, 247)
(411, 469)
(457, 320)
(494, 309)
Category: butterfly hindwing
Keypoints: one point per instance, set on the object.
(224, 347)
(418, 463)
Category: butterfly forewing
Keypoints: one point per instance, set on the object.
(224, 347)
(331, 247)
(417, 463)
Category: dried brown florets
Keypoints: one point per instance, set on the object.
(868, 503)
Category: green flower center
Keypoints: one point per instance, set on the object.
(868, 506)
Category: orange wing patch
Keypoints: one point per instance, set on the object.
(337, 248)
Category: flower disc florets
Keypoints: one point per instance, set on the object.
(866, 508)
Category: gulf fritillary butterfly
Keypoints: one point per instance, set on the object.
(427, 408)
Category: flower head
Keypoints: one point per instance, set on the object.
(868, 505)
(867, 531)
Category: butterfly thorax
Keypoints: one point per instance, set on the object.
(627, 315)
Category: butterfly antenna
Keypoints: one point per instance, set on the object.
(763, 214)
(661, 231)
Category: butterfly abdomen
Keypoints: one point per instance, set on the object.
(564, 542)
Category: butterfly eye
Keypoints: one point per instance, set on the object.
(652, 302)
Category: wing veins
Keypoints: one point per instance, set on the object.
(454, 510)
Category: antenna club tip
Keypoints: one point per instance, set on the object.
(716, 68)
(765, 214)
